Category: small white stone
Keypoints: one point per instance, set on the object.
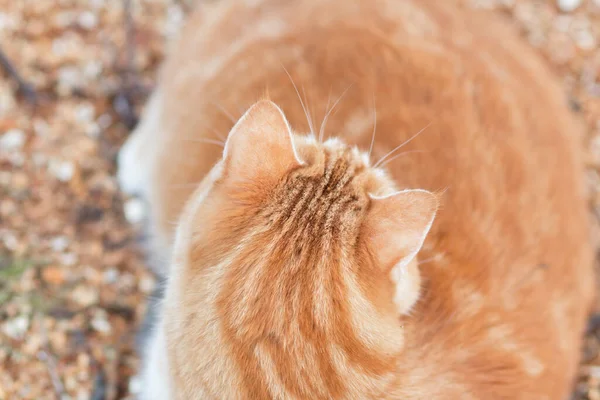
(92, 130)
(85, 296)
(104, 121)
(13, 139)
(173, 23)
(82, 394)
(135, 385)
(92, 69)
(85, 112)
(68, 76)
(135, 210)
(68, 259)
(17, 159)
(110, 275)
(146, 284)
(585, 40)
(9, 240)
(39, 159)
(3, 21)
(100, 324)
(62, 170)
(41, 127)
(87, 20)
(16, 327)
(59, 243)
(568, 5)
(59, 47)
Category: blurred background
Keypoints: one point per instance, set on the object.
(74, 75)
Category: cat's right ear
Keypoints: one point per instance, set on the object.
(260, 144)
(399, 223)
(396, 229)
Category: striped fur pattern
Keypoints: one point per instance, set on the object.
(357, 204)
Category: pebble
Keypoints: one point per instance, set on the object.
(39, 159)
(110, 275)
(146, 284)
(92, 69)
(62, 170)
(68, 77)
(16, 327)
(175, 17)
(13, 139)
(85, 112)
(104, 121)
(53, 275)
(135, 385)
(59, 243)
(85, 296)
(41, 127)
(9, 240)
(68, 259)
(568, 5)
(101, 324)
(135, 210)
(87, 20)
(585, 40)
(17, 159)
(92, 130)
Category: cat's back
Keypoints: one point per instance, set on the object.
(507, 266)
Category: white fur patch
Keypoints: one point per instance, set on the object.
(408, 290)
(131, 174)
(155, 376)
(136, 156)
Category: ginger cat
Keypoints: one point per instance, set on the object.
(409, 223)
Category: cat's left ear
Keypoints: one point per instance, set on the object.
(260, 143)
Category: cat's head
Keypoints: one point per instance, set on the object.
(293, 261)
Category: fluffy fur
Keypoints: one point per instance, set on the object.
(458, 267)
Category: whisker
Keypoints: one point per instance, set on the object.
(300, 98)
(218, 134)
(401, 145)
(430, 259)
(224, 111)
(184, 185)
(326, 111)
(389, 160)
(324, 124)
(206, 140)
(374, 126)
(309, 110)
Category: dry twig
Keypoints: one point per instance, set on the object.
(23, 87)
(47, 358)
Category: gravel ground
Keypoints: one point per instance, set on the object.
(73, 286)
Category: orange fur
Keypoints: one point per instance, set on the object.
(283, 282)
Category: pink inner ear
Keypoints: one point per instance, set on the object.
(399, 223)
(260, 143)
